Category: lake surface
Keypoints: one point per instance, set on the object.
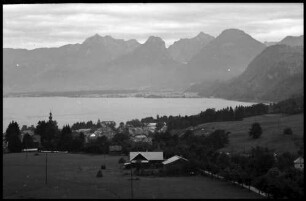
(29, 110)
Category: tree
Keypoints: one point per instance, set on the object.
(288, 131)
(27, 141)
(13, 137)
(285, 161)
(65, 141)
(49, 133)
(261, 160)
(255, 130)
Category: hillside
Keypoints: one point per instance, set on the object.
(272, 137)
(275, 74)
(293, 41)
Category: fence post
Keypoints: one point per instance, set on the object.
(46, 181)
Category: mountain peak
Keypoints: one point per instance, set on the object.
(155, 41)
(204, 36)
(293, 40)
(237, 36)
(233, 32)
(98, 39)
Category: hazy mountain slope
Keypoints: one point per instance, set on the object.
(275, 74)
(293, 41)
(270, 43)
(225, 57)
(62, 68)
(149, 65)
(184, 49)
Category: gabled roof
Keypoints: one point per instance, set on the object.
(299, 160)
(150, 156)
(173, 159)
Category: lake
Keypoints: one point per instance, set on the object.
(29, 110)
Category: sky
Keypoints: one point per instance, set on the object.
(33, 26)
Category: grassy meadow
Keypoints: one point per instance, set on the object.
(74, 176)
(272, 136)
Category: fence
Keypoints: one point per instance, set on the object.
(251, 188)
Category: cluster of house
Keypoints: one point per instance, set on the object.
(105, 129)
(142, 134)
(136, 134)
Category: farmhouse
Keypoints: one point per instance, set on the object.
(152, 157)
(175, 165)
(299, 163)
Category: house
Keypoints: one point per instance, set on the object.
(133, 131)
(146, 157)
(142, 138)
(299, 163)
(4, 144)
(151, 127)
(24, 132)
(103, 131)
(37, 140)
(85, 131)
(163, 129)
(174, 159)
(175, 165)
(115, 149)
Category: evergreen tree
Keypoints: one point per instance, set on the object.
(65, 140)
(49, 133)
(255, 130)
(13, 137)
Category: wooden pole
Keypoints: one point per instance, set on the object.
(46, 181)
(132, 194)
(26, 150)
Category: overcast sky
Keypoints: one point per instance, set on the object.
(53, 25)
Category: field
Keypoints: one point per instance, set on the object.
(272, 136)
(74, 176)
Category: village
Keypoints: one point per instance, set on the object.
(147, 148)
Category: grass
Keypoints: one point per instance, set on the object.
(74, 176)
(272, 137)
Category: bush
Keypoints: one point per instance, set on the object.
(99, 174)
(288, 131)
(121, 160)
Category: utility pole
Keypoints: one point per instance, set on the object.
(26, 149)
(132, 195)
(46, 181)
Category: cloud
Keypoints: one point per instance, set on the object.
(37, 25)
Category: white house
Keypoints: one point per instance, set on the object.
(299, 163)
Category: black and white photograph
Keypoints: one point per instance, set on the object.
(185, 100)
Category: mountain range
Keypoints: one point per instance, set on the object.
(103, 62)
(275, 74)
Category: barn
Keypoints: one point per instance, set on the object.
(176, 165)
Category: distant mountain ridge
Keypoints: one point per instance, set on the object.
(225, 57)
(106, 63)
(184, 49)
